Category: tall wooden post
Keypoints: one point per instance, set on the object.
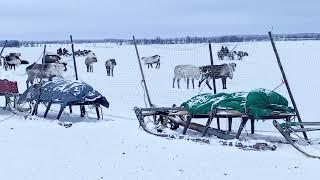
(4, 46)
(286, 83)
(142, 74)
(35, 109)
(74, 58)
(212, 70)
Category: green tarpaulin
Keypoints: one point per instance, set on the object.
(256, 103)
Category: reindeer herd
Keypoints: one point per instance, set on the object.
(53, 67)
(231, 55)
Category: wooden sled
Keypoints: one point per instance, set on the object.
(9, 89)
(178, 116)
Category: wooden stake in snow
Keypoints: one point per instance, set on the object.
(212, 69)
(74, 58)
(286, 83)
(4, 46)
(142, 74)
(35, 109)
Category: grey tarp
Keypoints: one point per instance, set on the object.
(64, 92)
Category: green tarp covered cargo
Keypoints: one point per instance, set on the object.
(257, 103)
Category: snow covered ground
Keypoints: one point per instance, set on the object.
(33, 148)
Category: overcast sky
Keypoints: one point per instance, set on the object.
(84, 19)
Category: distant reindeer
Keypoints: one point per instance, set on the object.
(11, 61)
(90, 59)
(110, 66)
(51, 58)
(241, 54)
(186, 72)
(152, 60)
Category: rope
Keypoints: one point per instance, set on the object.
(277, 87)
(5, 119)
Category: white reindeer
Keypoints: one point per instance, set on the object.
(90, 59)
(152, 60)
(186, 72)
(110, 63)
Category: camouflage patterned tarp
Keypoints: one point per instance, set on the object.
(256, 103)
(64, 93)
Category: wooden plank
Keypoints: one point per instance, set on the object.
(252, 126)
(242, 125)
(47, 110)
(187, 124)
(229, 123)
(305, 129)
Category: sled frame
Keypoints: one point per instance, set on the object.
(180, 116)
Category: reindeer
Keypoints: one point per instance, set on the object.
(48, 70)
(110, 66)
(152, 60)
(90, 59)
(241, 54)
(219, 71)
(11, 61)
(186, 72)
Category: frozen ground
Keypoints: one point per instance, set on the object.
(33, 148)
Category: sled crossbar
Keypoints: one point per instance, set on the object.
(305, 129)
(285, 132)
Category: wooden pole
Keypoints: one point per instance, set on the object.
(286, 83)
(44, 54)
(212, 70)
(74, 58)
(35, 109)
(4, 46)
(142, 74)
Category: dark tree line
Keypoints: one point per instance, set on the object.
(11, 43)
(181, 40)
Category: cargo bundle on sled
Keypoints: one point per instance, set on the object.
(65, 93)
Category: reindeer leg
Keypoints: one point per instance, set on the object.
(207, 82)
(224, 83)
(200, 82)
(174, 79)
(187, 83)
(193, 83)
